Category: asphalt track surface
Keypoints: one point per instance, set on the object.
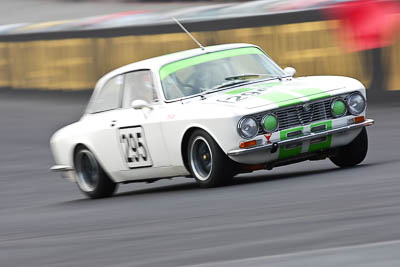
(308, 214)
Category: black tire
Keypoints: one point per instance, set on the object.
(353, 153)
(90, 176)
(207, 162)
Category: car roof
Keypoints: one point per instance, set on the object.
(156, 62)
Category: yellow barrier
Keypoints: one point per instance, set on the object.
(74, 64)
(5, 75)
(54, 64)
(392, 56)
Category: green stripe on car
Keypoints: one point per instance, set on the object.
(285, 152)
(239, 91)
(311, 93)
(289, 152)
(325, 144)
(285, 97)
(281, 99)
(243, 90)
(181, 64)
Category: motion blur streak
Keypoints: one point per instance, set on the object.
(77, 63)
(308, 214)
(309, 46)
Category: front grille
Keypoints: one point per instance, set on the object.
(293, 116)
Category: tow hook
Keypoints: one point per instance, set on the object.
(274, 147)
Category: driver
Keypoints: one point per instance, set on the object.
(172, 90)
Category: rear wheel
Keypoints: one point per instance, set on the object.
(90, 177)
(353, 153)
(208, 163)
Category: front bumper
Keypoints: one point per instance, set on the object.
(310, 136)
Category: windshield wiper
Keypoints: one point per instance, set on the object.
(243, 78)
(222, 85)
(228, 83)
(234, 80)
(250, 76)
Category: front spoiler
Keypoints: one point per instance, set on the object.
(309, 136)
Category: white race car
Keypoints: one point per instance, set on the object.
(209, 113)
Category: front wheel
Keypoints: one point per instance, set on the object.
(208, 163)
(353, 153)
(90, 177)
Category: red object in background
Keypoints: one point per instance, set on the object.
(366, 24)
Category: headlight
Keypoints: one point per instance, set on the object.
(338, 108)
(356, 104)
(270, 123)
(247, 127)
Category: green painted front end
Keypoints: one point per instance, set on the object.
(286, 96)
(294, 151)
(299, 146)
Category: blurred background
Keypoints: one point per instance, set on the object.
(52, 52)
(69, 44)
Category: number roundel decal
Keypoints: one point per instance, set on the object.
(134, 147)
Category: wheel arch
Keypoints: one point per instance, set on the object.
(185, 142)
(84, 145)
(75, 149)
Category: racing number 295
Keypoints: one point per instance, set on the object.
(134, 147)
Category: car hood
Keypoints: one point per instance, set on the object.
(277, 94)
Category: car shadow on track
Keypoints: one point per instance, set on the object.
(192, 185)
(245, 179)
(270, 177)
(147, 191)
(241, 180)
(237, 180)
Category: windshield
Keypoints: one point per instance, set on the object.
(216, 70)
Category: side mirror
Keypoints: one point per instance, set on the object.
(139, 104)
(290, 71)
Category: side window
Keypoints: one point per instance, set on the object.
(139, 85)
(109, 96)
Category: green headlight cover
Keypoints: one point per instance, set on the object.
(270, 123)
(339, 108)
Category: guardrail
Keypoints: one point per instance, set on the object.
(74, 60)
